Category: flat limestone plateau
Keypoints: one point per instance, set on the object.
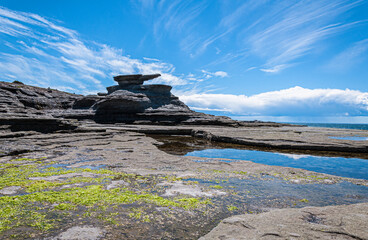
(112, 182)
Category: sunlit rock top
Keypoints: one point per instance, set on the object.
(135, 79)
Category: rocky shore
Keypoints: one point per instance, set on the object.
(90, 167)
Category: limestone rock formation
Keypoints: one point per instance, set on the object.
(130, 101)
(131, 80)
(24, 107)
(17, 98)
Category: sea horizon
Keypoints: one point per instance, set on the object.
(357, 120)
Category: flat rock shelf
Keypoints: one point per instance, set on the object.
(118, 184)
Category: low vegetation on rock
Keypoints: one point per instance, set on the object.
(48, 194)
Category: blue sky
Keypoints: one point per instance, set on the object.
(260, 59)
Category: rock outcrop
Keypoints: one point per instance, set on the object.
(23, 100)
(128, 102)
(24, 108)
(132, 102)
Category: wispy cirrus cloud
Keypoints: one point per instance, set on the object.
(274, 69)
(349, 57)
(275, 33)
(291, 30)
(208, 74)
(296, 101)
(41, 52)
(172, 18)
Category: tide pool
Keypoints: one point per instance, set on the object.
(339, 166)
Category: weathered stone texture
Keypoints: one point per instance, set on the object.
(128, 102)
(333, 222)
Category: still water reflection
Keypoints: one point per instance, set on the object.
(352, 138)
(339, 166)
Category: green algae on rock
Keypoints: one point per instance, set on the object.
(49, 192)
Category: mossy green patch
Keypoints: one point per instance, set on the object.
(240, 172)
(303, 178)
(231, 208)
(46, 195)
(171, 178)
(218, 171)
(216, 186)
(139, 214)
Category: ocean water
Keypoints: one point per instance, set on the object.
(336, 125)
(352, 138)
(339, 166)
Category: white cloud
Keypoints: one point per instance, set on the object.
(208, 74)
(294, 156)
(170, 79)
(250, 69)
(210, 109)
(55, 55)
(151, 59)
(274, 69)
(294, 101)
(220, 74)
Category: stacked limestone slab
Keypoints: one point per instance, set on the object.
(132, 101)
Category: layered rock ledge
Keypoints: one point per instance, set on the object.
(128, 102)
(152, 108)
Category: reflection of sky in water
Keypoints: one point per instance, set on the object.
(352, 138)
(345, 167)
(258, 192)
